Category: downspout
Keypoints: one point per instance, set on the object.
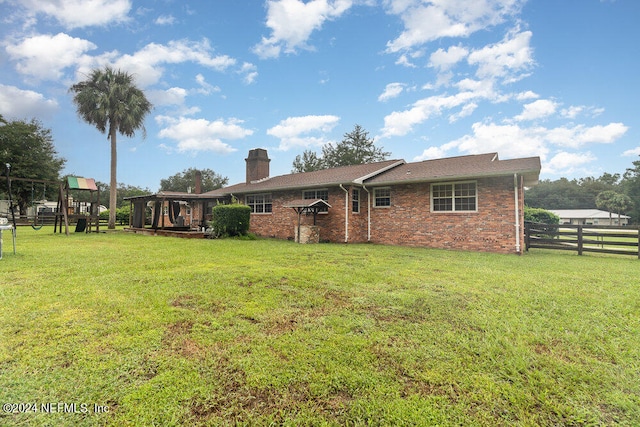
(515, 186)
(368, 213)
(346, 214)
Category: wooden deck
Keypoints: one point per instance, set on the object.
(167, 232)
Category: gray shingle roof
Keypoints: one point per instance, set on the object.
(463, 167)
(392, 172)
(321, 178)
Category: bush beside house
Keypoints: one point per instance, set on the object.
(231, 220)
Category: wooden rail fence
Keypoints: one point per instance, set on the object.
(618, 239)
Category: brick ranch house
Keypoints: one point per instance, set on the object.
(471, 202)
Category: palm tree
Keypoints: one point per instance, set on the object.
(111, 102)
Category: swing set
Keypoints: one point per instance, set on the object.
(85, 214)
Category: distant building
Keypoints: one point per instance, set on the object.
(590, 217)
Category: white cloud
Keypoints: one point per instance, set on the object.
(293, 131)
(193, 135)
(567, 163)
(250, 72)
(509, 59)
(431, 153)
(45, 57)
(513, 140)
(580, 135)
(632, 152)
(525, 96)
(445, 59)
(509, 140)
(81, 13)
(205, 87)
(425, 21)
(146, 64)
(537, 110)
(399, 123)
(292, 21)
(171, 96)
(392, 90)
(25, 104)
(165, 20)
(466, 111)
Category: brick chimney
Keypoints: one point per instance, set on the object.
(257, 165)
(198, 182)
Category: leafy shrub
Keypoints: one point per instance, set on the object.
(231, 220)
(540, 215)
(122, 215)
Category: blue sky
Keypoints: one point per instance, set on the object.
(426, 78)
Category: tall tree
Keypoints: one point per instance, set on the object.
(355, 148)
(308, 162)
(28, 147)
(187, 178)
(111, 102)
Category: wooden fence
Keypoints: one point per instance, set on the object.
(618, 239)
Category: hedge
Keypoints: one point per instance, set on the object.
(231, 220)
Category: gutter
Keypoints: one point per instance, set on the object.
(346, 214)
(368, 212)
(515, 187)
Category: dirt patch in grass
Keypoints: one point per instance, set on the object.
(177, 340)
(235, 402)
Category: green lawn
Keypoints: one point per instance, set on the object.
(165, 331)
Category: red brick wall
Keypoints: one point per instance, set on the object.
(409, 220)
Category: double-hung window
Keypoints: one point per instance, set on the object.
(355, 200)
(454, 197)
(381, 197)
(259, 203)
(317, 194)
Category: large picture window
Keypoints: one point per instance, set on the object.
(381, 197)
(259, 203)
(315, 195)
(454, 197)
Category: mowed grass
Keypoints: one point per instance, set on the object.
(168, 332)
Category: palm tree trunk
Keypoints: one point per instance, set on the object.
(113, 184)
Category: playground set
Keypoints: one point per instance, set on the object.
(85, 215)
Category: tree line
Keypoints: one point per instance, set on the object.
(616, 193)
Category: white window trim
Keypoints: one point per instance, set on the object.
(375, 197)
(259, 194)
(316, 190)
(453, 205)
(353, 191)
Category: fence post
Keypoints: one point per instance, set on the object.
(527, 234)
(579, 239)
(638, 242)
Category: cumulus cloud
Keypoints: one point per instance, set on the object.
(45, 57)
(303, 131)
(537, 110)
(509, 59)
(632, 152)
(24, 104)
(513, 140)
(425, 21)
(81, 13)
(194, 135)
(171, 96)
(392, 90)
(146, 64)
(567, 163)
(292, 21)
(445, 59)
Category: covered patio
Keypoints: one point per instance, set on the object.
(168, 213)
